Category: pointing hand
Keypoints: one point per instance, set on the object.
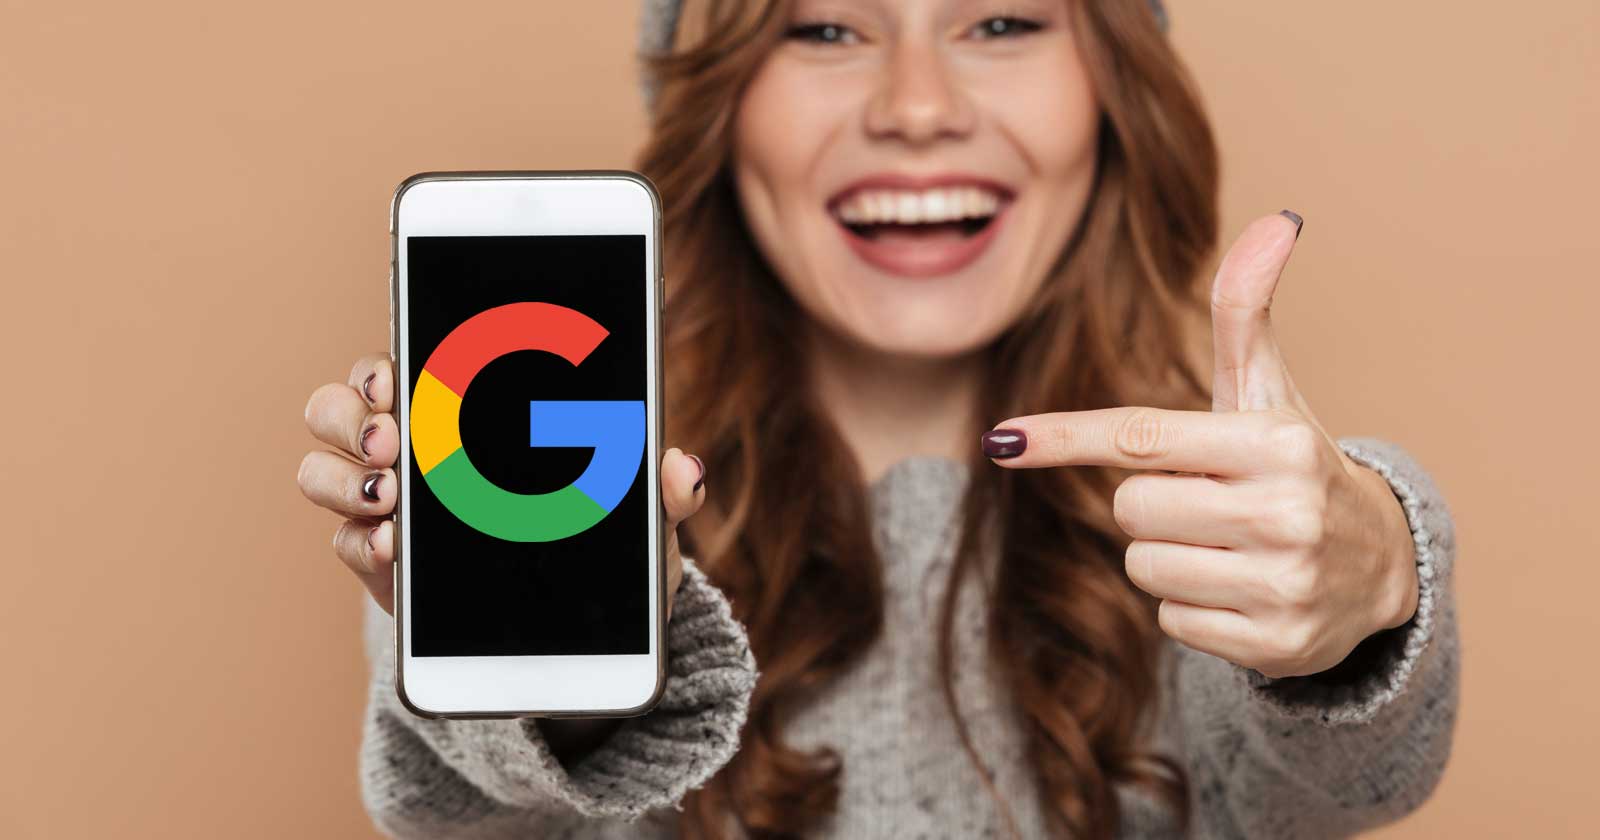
(1270, 547)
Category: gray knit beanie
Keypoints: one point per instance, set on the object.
(658, 20)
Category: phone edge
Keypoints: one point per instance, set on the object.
(654, 451)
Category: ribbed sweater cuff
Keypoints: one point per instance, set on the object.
(650, 762)
(1381, 668)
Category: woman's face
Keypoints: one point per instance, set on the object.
(911, 169)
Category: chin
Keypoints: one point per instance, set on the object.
(919, 329)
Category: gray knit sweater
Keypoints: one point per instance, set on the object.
(1297, 757)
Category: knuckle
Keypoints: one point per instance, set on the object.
(1140, 434)
(1060, 440)
(1296, 444)
(1298, 586)
(314, 405)
(350, 543)
(341, 540)
(1223, 301)
(304, 476)
(1251, 514)
(1291, 646)
(1299, 521)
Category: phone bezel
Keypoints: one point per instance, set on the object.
(535, 202)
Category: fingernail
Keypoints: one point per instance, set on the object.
(1004, 443)
(699, 482)
(372, 536)
(1293, 217)
(369, 486)
(367, 433)
(366, 386)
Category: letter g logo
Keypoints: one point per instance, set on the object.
(614, 428)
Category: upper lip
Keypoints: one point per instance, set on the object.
(907, 181)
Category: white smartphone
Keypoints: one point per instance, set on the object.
(529, 573)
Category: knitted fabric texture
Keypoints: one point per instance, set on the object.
(1326, 755)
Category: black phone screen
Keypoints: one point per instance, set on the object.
(529, 510)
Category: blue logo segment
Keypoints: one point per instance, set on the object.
(613, 428)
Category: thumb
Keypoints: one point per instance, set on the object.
(682, 485)
(682, 493)
(1248, 371)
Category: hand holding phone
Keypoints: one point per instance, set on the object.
(514, 437)
(366, 442)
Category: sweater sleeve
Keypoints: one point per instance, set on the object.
(1356, 746)
(498, 778)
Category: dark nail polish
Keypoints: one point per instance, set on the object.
(699, 482)
(369, 486)
(372, 535)
(1004, 443)
(1293, 217)
(367, 433)
(366, 386)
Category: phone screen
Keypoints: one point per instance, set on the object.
(529, 513)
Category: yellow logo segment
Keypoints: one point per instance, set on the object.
(435, 421)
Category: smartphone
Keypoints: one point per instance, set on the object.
(529, 573)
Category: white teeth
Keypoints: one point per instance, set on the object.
(909, 207)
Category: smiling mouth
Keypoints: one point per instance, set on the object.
(918, 215)
(925, 232)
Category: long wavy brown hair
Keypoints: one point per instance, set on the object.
(1078, 647)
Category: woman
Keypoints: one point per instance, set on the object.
(1135, 606)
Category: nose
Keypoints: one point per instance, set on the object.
(918, 99)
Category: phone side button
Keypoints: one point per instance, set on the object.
(394, 349)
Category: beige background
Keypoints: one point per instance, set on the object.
(192, 237)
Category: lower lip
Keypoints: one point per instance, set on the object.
(925, 259)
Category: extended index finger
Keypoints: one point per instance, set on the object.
(1137, 438)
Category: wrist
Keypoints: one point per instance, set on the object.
(1397, 601)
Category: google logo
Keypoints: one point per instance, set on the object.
(614, 428)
